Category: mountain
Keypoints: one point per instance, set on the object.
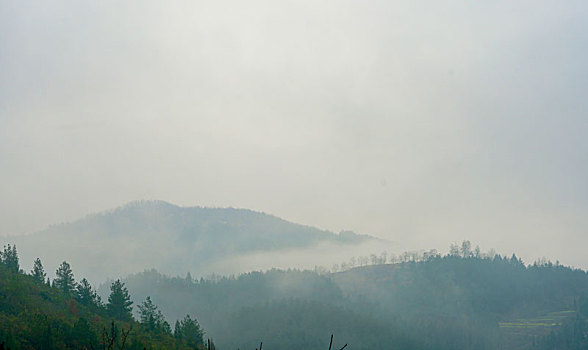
(173, 239)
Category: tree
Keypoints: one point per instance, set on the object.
(38, 272)
(383, 258)
(86, 295)
(178, 330)
(454, 249)
(119, 302)
(64, 278)
(477, 252)
(152, 318)
(466, 249)
(9, 257)
(516, 261)
(189, 332)
(82, 336)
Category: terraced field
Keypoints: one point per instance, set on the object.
(552, 319)
(522, 331)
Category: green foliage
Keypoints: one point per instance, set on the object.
(438, 302)
(463, 301)
(188, 332)
(86, 295)
(573, 333)
(36, 316)
(304, 324)
(119, 302)
(582, 305)
(38, 271)
(82, 335)
(9, 257)
(151, 318)
(64, 279)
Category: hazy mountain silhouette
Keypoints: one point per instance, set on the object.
(157, 234)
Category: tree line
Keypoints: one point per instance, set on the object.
(119, 306)
(463, 250)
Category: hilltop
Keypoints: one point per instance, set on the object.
(174, 239)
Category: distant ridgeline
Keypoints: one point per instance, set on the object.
(463, 300)
(157, 234)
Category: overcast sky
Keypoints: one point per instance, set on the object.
(422, 122)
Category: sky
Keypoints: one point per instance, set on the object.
(421, 122)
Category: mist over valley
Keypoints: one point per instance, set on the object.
(293, 174)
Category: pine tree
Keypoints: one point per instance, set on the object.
(38, 272)
(151, 317)
(189, 332)
(148, 313)
(119, 302)
(85, 295)
(64, 278)
(178, 330)
(9, 257)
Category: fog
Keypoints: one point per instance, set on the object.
(423, 123)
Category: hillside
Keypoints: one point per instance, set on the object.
(438, 303)
(34, 315)
(173, 239)
(292, 310)
(497, 288)
(443, 302)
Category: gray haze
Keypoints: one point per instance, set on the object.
(420, 122)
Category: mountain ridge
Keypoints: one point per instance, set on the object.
(158, 234)
(161, 204)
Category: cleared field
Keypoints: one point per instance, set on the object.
(536, 325)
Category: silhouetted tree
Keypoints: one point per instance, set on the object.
(454, 249)
(477, 252)
(86, 295)
(64, 278)
(38, 272)
(119, 302)
(152, 318)
(9, 257)
(466, 249)
(189, 332)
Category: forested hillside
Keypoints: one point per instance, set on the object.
(156, 234)
(457, 301)
(66, 314)
(462, 300)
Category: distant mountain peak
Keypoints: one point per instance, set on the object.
(158, 234)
